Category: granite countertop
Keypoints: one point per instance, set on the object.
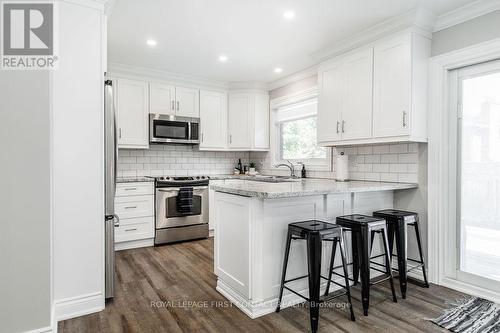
(134, 179)
(300, 188)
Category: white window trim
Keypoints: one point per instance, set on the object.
(281, 102)
(441, 201)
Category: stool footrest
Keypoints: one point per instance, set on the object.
(377, 281)
(333, 295)
(296, 293)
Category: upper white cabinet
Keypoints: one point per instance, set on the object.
(345, 98)
(375, 94)
(248, 121)
(132, 104)
(171, 100)
(162, 99)
(213, 120)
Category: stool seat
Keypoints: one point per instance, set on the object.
(355, 220)
(392, 214)
(301, 229)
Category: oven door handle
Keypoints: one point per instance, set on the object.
(173, 189)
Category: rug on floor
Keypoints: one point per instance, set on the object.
(471, 315)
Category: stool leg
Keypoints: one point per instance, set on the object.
(330, 270)
(390, 236)
(355, 256)
(285, 264)
(401, 245)
(346, 277)
(388, 264)
(364, 243)
(417, 232)
(314, 270)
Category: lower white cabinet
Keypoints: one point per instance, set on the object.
(134, 206)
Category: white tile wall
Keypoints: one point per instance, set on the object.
(176, 160)
(389, 162)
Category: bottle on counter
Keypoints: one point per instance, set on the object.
(240, 166)
(303, 172)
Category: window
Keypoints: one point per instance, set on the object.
(296, 137)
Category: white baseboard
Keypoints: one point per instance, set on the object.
(78, 306)
(471, 289)
(48, 329)
(134, 244)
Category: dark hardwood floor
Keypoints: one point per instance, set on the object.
(183, 272)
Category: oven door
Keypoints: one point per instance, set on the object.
(167, 214)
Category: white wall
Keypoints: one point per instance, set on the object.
(78, 163)
(25, 302)
(480, 29)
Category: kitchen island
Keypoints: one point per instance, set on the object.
(251, 226)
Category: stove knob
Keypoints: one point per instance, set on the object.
(202, 177)
(208, 177)
(197, 177)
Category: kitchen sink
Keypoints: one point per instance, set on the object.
(274, 179)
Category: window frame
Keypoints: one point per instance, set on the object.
(324, 164)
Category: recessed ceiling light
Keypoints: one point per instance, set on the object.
(223, 58)
(278, 70)
(151, 42)
(289, 14)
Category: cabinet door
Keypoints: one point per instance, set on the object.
(187, 102)
(132, 111)
(357, 95)
(213, 118)
(161, 99)
(261, 122)
(241, 106)
(392, 88)
(330, 103)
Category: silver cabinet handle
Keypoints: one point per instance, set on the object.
(120, 132)
(404, 118)
(230, 138)
(130, 207)
(134, 229)
(130, 189)
(173, 105)
(202, 137)
(177, 105)
(343, 125)
(338, 123)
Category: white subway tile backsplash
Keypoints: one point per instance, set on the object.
(408, 158)
(372, 158)
(381, 168)
(389, 158)
(398, 148)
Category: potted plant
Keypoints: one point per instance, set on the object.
(251, 166)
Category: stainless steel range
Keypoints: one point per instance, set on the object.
(181, 208)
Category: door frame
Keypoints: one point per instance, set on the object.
(441, 184)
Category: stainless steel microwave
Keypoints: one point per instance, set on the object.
(173, 129)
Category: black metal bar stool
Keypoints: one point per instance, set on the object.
(363, 229)
(314, 232)
(397, 224)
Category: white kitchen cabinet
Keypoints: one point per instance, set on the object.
(162, 99)
(132, 103)
(187, 102)
(213, 120)
(375, 94)
(248, 121)
(345, 98)
(134, 205)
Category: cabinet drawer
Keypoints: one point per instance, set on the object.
(134, 229)
(129, 189)
(135, 206)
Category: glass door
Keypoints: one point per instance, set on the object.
(478, 176)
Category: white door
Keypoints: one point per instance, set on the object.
(476, 256)
(392, 88)
(330, 103)
(213, 120)
(161, 99)
(187, 102)
(132, 110)
(261, 122)
(357, 95)
(240, 110)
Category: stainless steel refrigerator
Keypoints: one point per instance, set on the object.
(111, 220)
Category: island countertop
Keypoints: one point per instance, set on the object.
(304, 187)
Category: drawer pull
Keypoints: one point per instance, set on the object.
(131, 189)
(130, 207)
(134, 229)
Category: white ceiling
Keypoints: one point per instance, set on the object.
(191, 34)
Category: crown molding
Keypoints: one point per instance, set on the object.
(418, 19)
(95, 4)
(243, 85)
(118, 69)
(297, 76)
(466, 13)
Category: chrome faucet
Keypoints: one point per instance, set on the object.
(289, 166)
